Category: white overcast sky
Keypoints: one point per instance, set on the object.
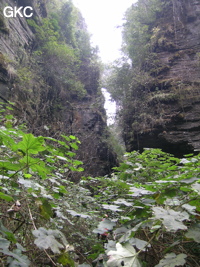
(102, 18)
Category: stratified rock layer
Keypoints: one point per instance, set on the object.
(168, 116)
(35, 98)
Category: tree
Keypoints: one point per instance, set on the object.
(140, 19)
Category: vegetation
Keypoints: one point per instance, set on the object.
(145, 214)
(32, 178)
(62, 45)
(3, 27)
(58, 68)
(140, 37)
(115, 140)
(144, 82)
(141, 17)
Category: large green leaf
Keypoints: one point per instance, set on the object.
(5, 197)
(122, 201)
(4, 243)
(47, 238)
(171, 219)
(127, 236)
(140, 244)
(74, 146)
(120, 231)
(31, 144)
(190, 180)
(104, 226)
(30, 184)
(139, 191)
(111, 245)
(190, 209)
(16, 258)
(111, 207)
(125, 255)
(11, 166)
(75, 214)
(194, 232)
(196, 187)
(66, 260)
(172, 260)
(45, 208)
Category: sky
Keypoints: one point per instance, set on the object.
(103, 18)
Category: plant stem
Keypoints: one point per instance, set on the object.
(36, 229)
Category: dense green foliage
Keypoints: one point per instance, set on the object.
(63, 46)
(59, 67)
(139, 31)
(145, 214)
(140, 20)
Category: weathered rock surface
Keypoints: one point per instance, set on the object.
(83, 118)
(168, 117)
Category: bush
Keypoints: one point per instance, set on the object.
(145, 214)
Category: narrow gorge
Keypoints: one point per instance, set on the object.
(51, 72)
(81, 189)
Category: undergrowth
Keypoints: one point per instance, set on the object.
(145, 214)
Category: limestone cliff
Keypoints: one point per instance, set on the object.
(54, 84)
(163, 106)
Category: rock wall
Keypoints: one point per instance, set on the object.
(42, 104)
(167, 114)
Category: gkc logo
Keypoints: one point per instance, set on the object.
(12, 12)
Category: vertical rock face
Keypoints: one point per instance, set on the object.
(182, 59)
(167, 115)
(43, 103)
(88, 124)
